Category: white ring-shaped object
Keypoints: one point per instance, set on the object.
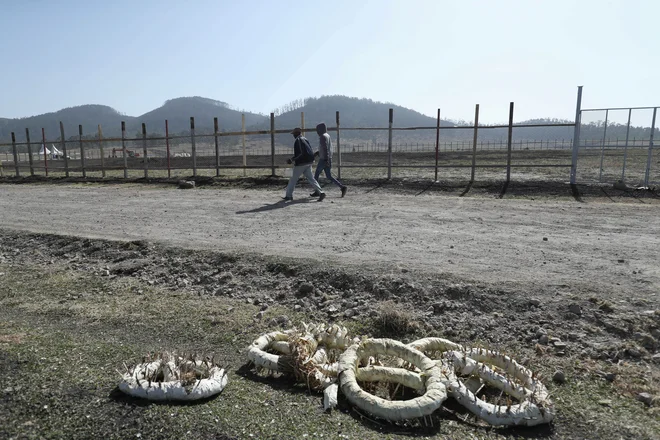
(276, 341)
(431, 377)
(137, 384)
(534, 408)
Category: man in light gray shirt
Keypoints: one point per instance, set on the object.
(325, 158)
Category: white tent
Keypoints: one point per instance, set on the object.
(53, 151)
(41, 152)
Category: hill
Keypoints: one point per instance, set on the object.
(354, 112)
(179, 110)
(87, 115)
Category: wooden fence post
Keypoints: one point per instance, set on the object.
(167, 147)
(272, 144)
(509, 144)
(123, 148)
(66, 156)
(474, 142)
(217, 147)
(194, 149)
(647, 174)
(29, 148)
(15, 152)
(244, 152)
(389, 146)
(437, 145)
(338, 148)
(82, 150)
(145, 154)
(43, 140)
(101, 149)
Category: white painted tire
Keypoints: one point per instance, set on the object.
(275, 341)
(534, 408)
(432, 379)
(137, 384)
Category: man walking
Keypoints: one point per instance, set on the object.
(303, 158)
(325, 158)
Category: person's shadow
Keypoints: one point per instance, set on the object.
(277, 205)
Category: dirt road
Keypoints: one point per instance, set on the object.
(596, 244)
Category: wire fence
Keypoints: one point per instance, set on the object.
(472, 152)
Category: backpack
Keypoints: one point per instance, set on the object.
(306, 148)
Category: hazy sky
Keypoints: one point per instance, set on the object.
(258, 55)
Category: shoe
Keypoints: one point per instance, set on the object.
(343, 190)
(315, 194)
(321, 197)
(287, 199)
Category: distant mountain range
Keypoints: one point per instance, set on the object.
(354, 112)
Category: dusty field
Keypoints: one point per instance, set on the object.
(479, 269)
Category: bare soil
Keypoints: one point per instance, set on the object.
(481, 265)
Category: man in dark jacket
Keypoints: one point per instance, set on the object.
(302, 159)
(325, 158)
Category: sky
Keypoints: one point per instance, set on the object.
(258, 55)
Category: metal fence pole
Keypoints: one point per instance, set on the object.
(82, 150)
(474, 142)
(602, 149)
(194, 149)
(29, 148)
(338, 147)
(66, 156)
(437, 146)
(576, 136)
(509, 144)
(647, 175)
(625, 146)
(145, 154)
(389, 145)
(15, 152)
(123, 148)
(272, 144)
(217, 147)
(101, 150)
(43, 140)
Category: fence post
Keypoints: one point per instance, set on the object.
(625, 147)
(302, 122)
(389, 145)
(145, 157)
(66, 156)
(123, 148)
(338, 147)
(509, 144)
(602, 148)
(101, 149)
(243, 140)
(15, 152)
(576, 135)
(474, 142)
(272, 144)
(167, 147)
(43, 140)
(82, 150)
(194, 149)
(650, 156)
(437, 145)
(29, 147)
(217, 147)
